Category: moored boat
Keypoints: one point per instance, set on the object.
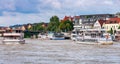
(58, 36)
(94, 36)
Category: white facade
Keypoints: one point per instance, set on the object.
(113, 26)
(97, 25)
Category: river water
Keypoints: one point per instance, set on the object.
(58, 52)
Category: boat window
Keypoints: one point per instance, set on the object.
(73, 32)
(74, 36)
(58, 35)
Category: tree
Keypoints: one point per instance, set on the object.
(62, 26)
(66, 26)
(38, 27)
(54, 24)
(119, 27)
(69, 25)
(111, 31)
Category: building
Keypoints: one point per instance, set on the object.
(118, 14)
(16, 26)
(77, 22)
(21, 27)
(93, 18)
(29, 26)
(67, 18)
(87, 21)
(113, 23)
(26, 27)
(99, 24)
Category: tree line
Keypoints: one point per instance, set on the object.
(55, 25)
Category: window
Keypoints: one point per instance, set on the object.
(110, 21)
(116, 26)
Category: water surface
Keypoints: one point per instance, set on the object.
(58, 52)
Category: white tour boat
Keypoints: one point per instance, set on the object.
(13, 38)
(98, 36)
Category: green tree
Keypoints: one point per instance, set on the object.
(62, 26)
(66, 26)
(119, 27)
(54, 24)
(69, 25)
(111, 31)
(38, 27)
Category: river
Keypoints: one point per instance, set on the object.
(37, 51)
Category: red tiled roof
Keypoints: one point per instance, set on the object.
(67, 18)
(113, 20)
(101, 22)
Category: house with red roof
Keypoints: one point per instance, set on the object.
(113, 23)
(98, 24)
(67, 18)
(88, 21)
(76, 20)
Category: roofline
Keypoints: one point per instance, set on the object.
(95, 14)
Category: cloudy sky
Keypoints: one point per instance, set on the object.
(30, 11)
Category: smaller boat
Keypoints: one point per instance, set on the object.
(42, 36)
(50, 36)
(13, 38)
(58, 36)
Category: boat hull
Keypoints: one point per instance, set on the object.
(13, 41)
(55, 38)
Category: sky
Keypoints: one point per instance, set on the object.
(33, 11)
